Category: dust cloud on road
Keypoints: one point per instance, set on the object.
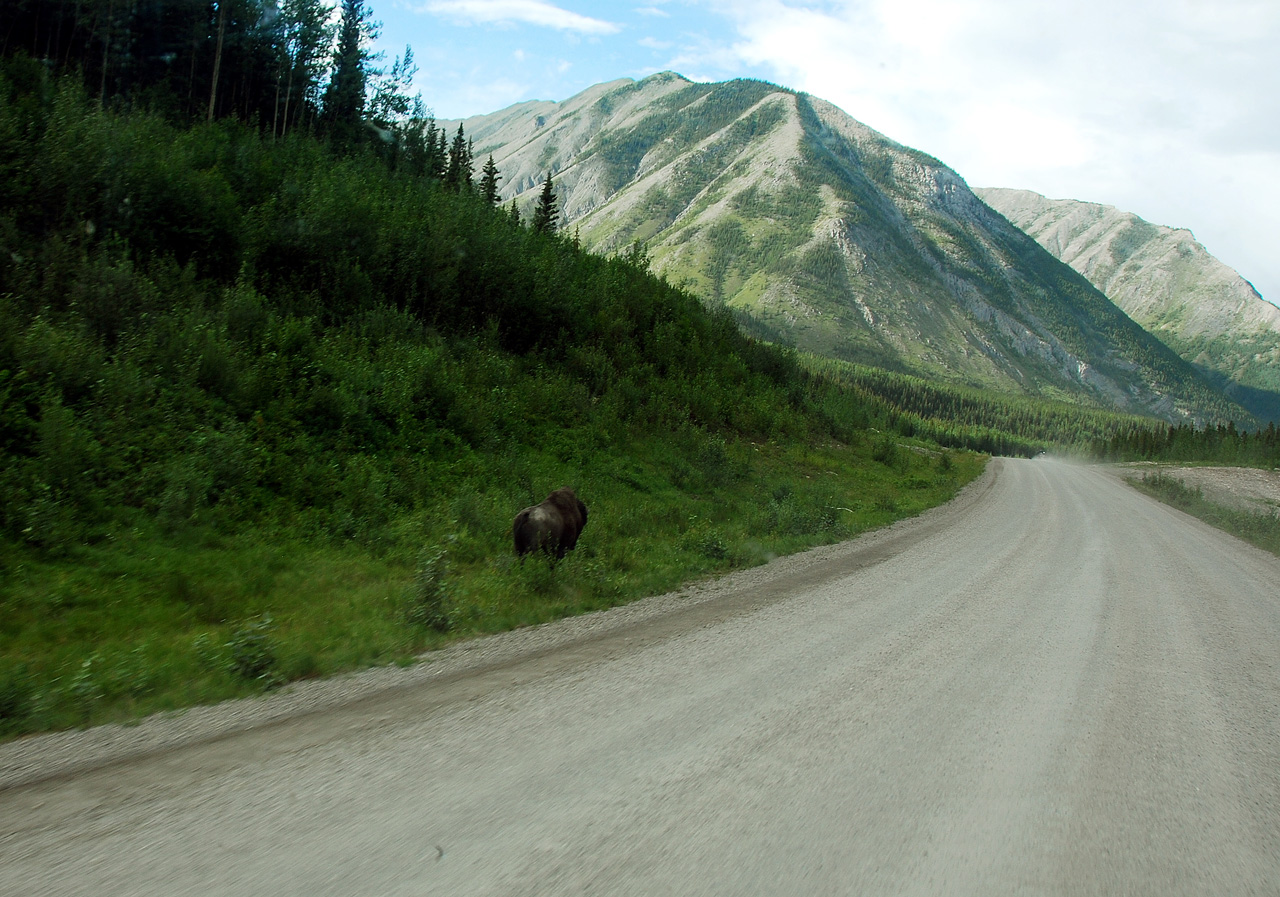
(1054, 685)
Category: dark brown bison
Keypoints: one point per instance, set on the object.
(552, 526)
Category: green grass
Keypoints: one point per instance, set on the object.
(1262, 530)
(150, 621)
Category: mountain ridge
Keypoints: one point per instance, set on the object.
(1164, 279)
(820, 232)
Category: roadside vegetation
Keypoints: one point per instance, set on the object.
(1262, 530)
(999, 424)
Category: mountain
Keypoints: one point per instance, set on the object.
(821, 233)
(1167, 282)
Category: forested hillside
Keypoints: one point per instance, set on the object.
(269, 404)
(289, 66)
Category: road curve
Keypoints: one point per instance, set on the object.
(1056, 686)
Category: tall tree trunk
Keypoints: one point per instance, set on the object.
(217, 56)
(275, 111)
(106, 54)
(288, 95)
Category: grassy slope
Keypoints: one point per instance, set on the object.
(142, 623)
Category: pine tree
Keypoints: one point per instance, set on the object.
(436, 156)
(458, 175)
(442, 154)
(545, 215)
(489, 182)
(391, 104)
(344, 99)
(513, 213)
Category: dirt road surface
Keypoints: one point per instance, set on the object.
(1055, 685)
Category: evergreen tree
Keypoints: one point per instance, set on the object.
(458, 174)
(391, 103)
(344, 98)
(545, 215)
(306, 36)
(440, 156)
(513, 213)
(433, 165)
(489, 182)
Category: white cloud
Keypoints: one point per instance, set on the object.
(652, 11)
(529, 12)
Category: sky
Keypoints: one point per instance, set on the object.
(1169, 109)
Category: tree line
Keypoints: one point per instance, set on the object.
(282, 66)
(1219, 443)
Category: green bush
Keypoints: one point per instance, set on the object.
(16, 698)
(793, 515)
(1261, 529)
(886, 452)
(85, 687)
(252, 651)
(426, 603)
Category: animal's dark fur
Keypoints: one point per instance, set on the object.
(552, 526)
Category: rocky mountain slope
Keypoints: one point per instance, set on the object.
(1167, 282)
(822, 233)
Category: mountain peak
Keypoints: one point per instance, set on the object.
(823, 233)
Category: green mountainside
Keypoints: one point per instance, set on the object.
(1167, 282)
(821, 233)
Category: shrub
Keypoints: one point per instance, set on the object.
(363, 508)
(536, 574)
(85, 688)
(253, 653)
(789, 515)
(711, 546)
(186, 492)
(426, 603)
(16, 694)
(885, 451)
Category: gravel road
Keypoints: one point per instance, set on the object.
(1054, 685)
